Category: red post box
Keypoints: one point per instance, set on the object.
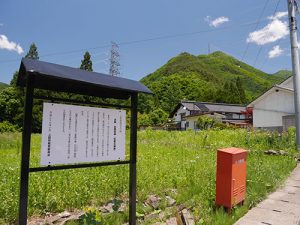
(231, 177)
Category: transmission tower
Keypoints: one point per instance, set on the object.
(114, 60)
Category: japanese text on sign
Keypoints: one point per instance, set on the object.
(77, 134)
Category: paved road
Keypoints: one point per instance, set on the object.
(280, 208)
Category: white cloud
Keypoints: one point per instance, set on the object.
(216, 22)
(275, 52)
(9, 45)
(275, 30)
(272, 32)
(278, 15)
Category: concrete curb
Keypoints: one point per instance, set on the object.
(282, 207)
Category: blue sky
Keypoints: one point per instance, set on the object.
(149, 33)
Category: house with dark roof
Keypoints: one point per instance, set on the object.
(274, 109)
(186, 113)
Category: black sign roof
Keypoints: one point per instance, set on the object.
(55, 77)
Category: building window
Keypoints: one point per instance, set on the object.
(229, 116)
(182, 115)
(187, 124)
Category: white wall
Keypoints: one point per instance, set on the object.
(263, 118)
(177, 116)
(269, 111)
(288, 83)
(192, 122)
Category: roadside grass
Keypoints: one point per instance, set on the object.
(185, 161)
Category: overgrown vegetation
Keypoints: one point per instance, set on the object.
(185, 161)
(6, 127)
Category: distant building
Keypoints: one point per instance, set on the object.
(186, 113)
(274, 110)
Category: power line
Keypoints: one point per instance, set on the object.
(259, 51)
(257, 55)
(142, 40)
(256, 25)
(267, 58)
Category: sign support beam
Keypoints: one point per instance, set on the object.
(133, 159)
(75, 166)
(26, 138)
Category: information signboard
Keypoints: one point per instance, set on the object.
(78, 134)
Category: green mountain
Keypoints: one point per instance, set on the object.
(3, 85)
(216, 77)
(283, 74)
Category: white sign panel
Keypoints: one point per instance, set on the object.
(77, 134)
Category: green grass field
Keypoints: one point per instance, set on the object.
(185, 161)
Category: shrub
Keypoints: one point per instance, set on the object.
(223, 126)
(6, 126)
(205, 122)
(158, 117)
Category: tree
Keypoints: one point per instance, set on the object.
(223, 93)
(158, 117)
(9, 104)
(231, 92)
(144, 120)
(13, 81)
(86, 63)
(241, 91)
(32, 53)
(37, 104)
(12, 100)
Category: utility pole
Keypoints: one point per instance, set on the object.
(114, 60)
(292, 11)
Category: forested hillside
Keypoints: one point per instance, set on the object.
(216, 77)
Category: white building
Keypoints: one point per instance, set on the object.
(274, 110)
(186, 113)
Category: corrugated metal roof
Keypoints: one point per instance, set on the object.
(189, 105)
(213, 107)
(220, 107)
(201, 107)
